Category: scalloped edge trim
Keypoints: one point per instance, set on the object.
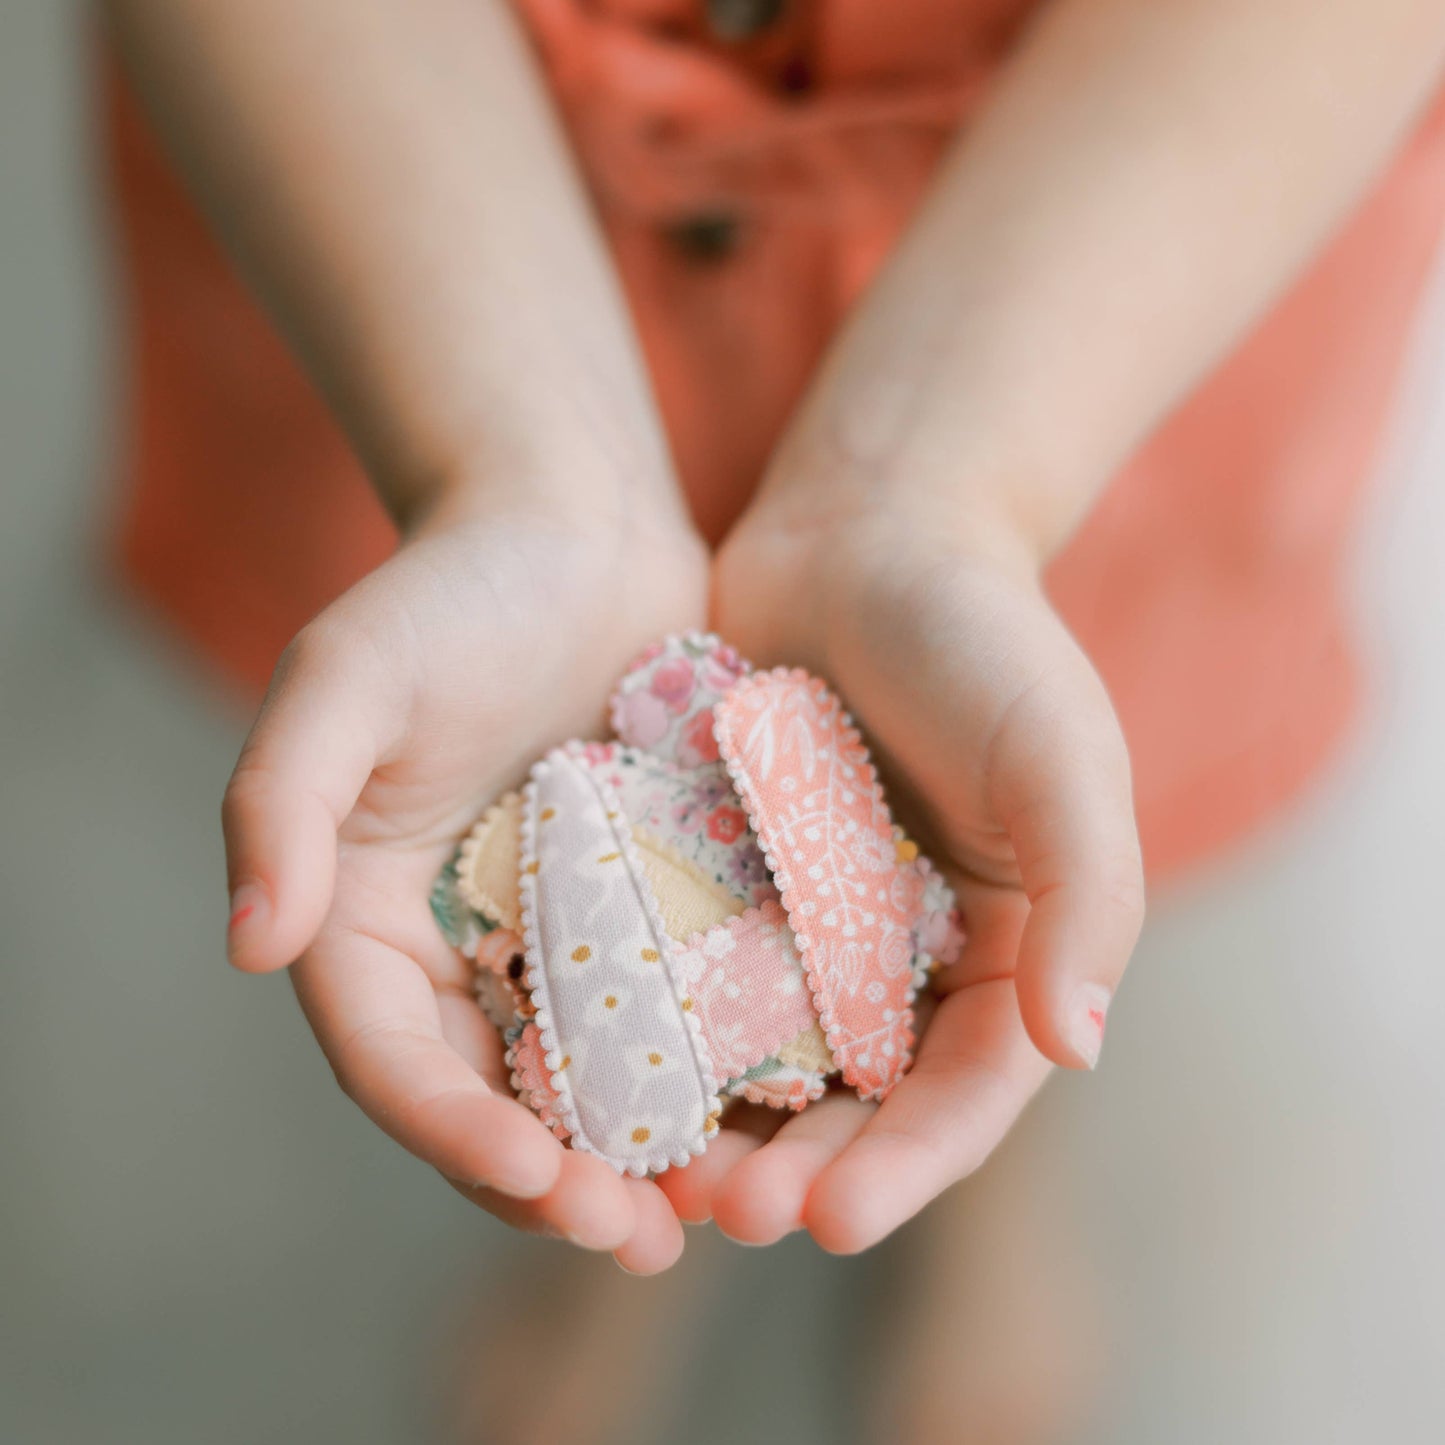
(692, 638)
(799, 1052)
(925, 965)
(743, 783)
(495, 1000)
(755, 1094)
(476, 897)
(524, 1058)
(656, 1163)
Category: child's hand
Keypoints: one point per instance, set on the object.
(393, 719)
(1002, 749)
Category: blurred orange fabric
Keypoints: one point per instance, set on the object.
(753, 161)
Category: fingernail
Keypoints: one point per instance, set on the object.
(519, 1186)
(248, 903)
(1088, 1010)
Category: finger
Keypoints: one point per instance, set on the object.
(527, 1216)
(762, 1198)
(644, 1233)
(993, 916)
(976, 1069)
(590, 1205)
(690, 1190)
(1061, 788)
(469, 1032)
(657, 1241)
(325, 722)
(376, 1018)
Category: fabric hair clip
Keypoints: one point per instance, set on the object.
(714, 905)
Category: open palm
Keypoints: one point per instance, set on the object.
(394, 718)
(1002, 752)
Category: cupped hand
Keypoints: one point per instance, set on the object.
(1001, 751)
(393, 719)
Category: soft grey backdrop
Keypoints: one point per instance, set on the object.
(201, 1241)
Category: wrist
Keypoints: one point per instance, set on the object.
(808, 561)
(887, 435)
(640, 503)
(826, 509)
(621, 549)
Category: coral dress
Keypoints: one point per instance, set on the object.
(752, 162)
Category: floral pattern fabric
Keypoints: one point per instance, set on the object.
(628, 1066)
(664, 704)
(695, 811)
(805, 777)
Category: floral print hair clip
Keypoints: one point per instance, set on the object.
(714, 905)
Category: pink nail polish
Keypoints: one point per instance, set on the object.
(246, 903)
(1088, 1011)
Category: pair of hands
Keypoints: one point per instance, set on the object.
(430, 687)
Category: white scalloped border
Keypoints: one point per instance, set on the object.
(537, 974)
(743, 784)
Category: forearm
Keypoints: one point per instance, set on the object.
(391, 179)
(1145, 178)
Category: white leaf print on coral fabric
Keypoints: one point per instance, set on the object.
(815, 803)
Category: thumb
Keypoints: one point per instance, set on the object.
(1061, 787)
(309, 754)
